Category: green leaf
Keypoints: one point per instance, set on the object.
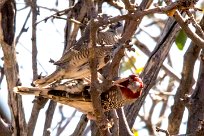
(181, 39)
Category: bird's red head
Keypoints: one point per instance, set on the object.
(132, 87)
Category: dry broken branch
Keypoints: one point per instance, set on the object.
(39, 102)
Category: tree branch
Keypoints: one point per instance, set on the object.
(162, 130)
(123, 124)
(153, 66)
(23, 29)
(79, 16)
(199, 41)
(2, 73)
(39, 102)
(115, 128)
(168, 69)
(5, 128)
(80, 126)
(34, 44)
(59, 13)
(2, 2)
(61, 128)
(95, 93)
(185, 86)
(7, 17)
(48, 118)
(196, 104)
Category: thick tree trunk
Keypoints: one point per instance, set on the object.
(185, 86)
(196, 105)
(152, 67)
(7, 31)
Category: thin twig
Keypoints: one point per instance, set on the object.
(2, 73)
(116, 123)
(162, 130)
(195, 24)
(39, 101)
(50, 9)
(168, 69)
(129, 6)
(117, 4)
(48, 118)
(31, 54)
(61, 129)
(34, 43)
(59, 13)
(124, 128)
(199, 41)
(78, 17)
(59, 124)
(23, 29)
(80, 126)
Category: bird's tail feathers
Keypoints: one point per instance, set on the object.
(51, 93)
(55, 76)
(30, 91)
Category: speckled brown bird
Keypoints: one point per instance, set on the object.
(123, 91)
(74, 64)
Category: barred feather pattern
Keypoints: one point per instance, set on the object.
(123, 91)
(112, 99)
(77, 67)
(74, 64)
(118, 95)
(107, 38)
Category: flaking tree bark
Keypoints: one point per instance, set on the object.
(39, 102)
(7, 31)
(185, 86)
(195, 105)
(196, 101)
(153, 66)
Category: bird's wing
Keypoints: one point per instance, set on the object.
(80, 101)
(74, 51)
(105, 37)
(79, 57)
(54, 94)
